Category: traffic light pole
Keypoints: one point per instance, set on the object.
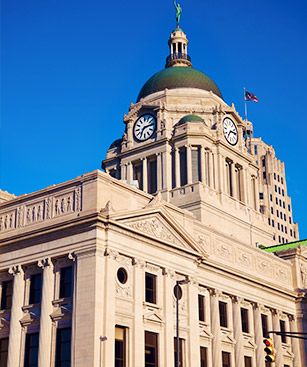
(290, 334)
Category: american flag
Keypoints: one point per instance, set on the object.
(250, 97)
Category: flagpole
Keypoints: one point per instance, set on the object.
(245, 104)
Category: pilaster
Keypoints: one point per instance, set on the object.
(16, 315)
(260, 362)
(45, 331)
(145, 175)
(194, 340)
(216, 329)
(237, 331)
(295, 343)
(177, 167)
(168, 278)
(138, 327)
(277, 338)
(189, 164)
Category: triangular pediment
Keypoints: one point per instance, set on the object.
(158, 224)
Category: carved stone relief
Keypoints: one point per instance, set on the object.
(39, 211)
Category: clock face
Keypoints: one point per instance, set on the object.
(230, 131)
(145, 127)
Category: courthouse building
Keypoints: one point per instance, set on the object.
(88, 267)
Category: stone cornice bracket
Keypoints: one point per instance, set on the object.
(111, 253)
(44, 263)
(15, 270)
(292, 318)
(276, 312)
(138, 263)
(72, 256)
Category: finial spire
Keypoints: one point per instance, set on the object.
(178, 12)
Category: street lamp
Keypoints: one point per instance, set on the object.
(177, 289)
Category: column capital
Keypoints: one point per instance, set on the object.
(15, 270)
(45, 263)
(256, 305)
(215, 292)
(276, 312)
(72, 256)
(139, 263)
(236, 299)
(113, 254)
(169, 273)
(292, 318)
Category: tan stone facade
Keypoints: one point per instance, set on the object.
(89, 267)
(99, 225)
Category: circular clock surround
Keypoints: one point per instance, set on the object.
(230, 131)
(145, 127)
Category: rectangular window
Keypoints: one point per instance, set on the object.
(283, 330)
(6, 295)
(290, 220)
(195, 164)
(138, 173)
(63, 347)
(278, 178)
(271, 197)
(66, 282)
(223, 314)
(151, 349)
(203, 357)
(35, 288)
(276, 200)
(226, 359)
(244, 320)
(181, 346)
(261, 195)
(31, 350)
(275, 187)
(264, 322)
(183, 166)
(247, 361)
(150, 288)
(273, 223)
(4, 347)
(201, 307)
(120, 346)
(152, 175)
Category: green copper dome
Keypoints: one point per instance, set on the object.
(189, 118)
(178, 77)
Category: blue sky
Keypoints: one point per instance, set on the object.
(70, 70)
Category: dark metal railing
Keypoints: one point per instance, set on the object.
(177, 56)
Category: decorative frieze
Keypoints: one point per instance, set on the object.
(41, 210)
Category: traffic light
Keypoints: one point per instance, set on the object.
(269, 350)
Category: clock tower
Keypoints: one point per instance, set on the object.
(183, 141)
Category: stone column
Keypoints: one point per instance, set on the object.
(138, 327)
(211, 169)
(203, 164)
(129, 172)
(123, 172)
(277, 338)
(109, 306)
(159, 172)
(260, 362)
(90, 303)
(189, 164)
(16, 315)
(169, 321)
(234, 181)
(237, 331)
(215, 328)
(295, 343)
(45, 330)
(194, 341)
(145, 176)
(220, 175)
(177, 164)
(167, 168)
